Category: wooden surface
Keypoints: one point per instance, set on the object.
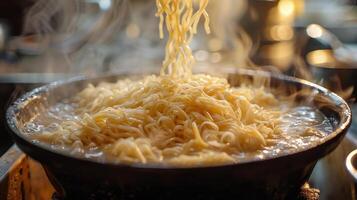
(25, 180)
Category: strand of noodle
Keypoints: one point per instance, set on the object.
(198, 136)
(180, 21)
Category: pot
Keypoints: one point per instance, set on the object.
(271, 178)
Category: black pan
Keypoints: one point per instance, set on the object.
(274, 178)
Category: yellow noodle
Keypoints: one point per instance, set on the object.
(176, 118)
(175, 128)
(181, 24)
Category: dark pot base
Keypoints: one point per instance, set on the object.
(181, 193)
(286, 186)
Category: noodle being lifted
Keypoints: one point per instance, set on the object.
(181, 25)
(176, 118)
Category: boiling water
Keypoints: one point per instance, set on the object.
(303, 126)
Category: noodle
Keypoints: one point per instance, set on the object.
(181, 24)
(160, 119)
(175, 118)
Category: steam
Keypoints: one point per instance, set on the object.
(78, 28)
(71, 24)
(225, 18)
(51, 16)
(332, 80)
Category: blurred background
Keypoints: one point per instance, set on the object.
(46, 40)
(89, 36)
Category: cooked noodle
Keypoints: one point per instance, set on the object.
(175, 118)
(197, 119)
(181, 24)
